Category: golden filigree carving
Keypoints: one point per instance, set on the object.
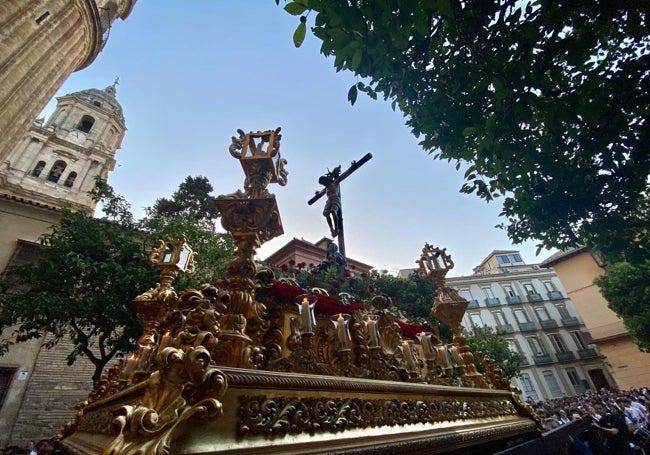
(260, 415)
(183, 391)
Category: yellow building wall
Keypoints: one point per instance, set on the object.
(629, 366)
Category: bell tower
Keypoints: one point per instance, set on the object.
(56, 162)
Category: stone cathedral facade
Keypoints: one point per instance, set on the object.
(41, 43)
(54, 165)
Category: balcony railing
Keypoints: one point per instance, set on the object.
(565, 356)
(526, 326)
(570, 322)
(589, 353)
(513, 299)
(505, 328)
(555, 295)
(548, 323)
(472, 304)
(543, 359)
(492, 301)
(535, 297)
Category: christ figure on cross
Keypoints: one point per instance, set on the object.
(332, 210)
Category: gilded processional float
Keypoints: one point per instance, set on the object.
(221, 370)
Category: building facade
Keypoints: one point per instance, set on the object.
(531, 309)
(54, 165)
(41, 43)
(577, 268)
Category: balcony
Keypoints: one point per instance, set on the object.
(555, 295)
(505, 328)
(492, 301)
(565, 356)
(526, 326)
(524, 361)
(570, 322)
(587, 353)
(544, 359)
(534, 297)
(548, 324)
(472, 304)
(513, 299)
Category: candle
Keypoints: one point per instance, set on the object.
(408, 356)
(425, 340)
(143, 361)
(306, 316)
(373, 340)
(340, 322)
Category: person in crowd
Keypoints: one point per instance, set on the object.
(614, 430)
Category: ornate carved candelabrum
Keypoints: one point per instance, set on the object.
(343, 346)
(252, 217)
(448, 308)
(154, 306)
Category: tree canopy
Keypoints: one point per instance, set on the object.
(540, 103)
(91, 269)
(490, 342)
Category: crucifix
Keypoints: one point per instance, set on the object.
(333, 212)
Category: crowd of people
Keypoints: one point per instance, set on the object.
(42, 447)
(618, 421)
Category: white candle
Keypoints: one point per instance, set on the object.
(426, 344)
(372, 333)
(306, 316)
(340, 329)
(130, 365)
(406, 350)
(165, 341)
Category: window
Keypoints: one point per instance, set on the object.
(564, 313)
(551, 383)
(6, 376)
(38, 168)
(530, 289)
(574, 379)
(513, 346)
(466, 294)
(521, 316)
(550, 287)
(542, 314)
(86, 123)
(488, 293)
(56, 171)
(579, 340)
(509, 291)
(509, 259)
(476, 320)
(527, 386)
(558, 342)
(70, 180)
(536, 346)
(500, 318)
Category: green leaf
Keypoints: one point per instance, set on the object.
(356, 59)
(469, 131)
(295, 8)
(352, 94)
(299, 34)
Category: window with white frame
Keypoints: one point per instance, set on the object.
(509, 291)
(530, 289)
(476, 320)
(558, 342)
(466, 294)
(513, 345)
(536, 346)
(528, 387)
(542, 314)
(574, 379)
(487, 291)
(521, 317)
(564, 313)
(551, 383)
(579, 340)
(550, 287)
(500, 318)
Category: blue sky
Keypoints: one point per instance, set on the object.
(192, 72)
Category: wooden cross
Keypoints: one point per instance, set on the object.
(333, 209)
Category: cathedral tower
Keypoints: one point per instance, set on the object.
(56, 163)
(41, 43)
